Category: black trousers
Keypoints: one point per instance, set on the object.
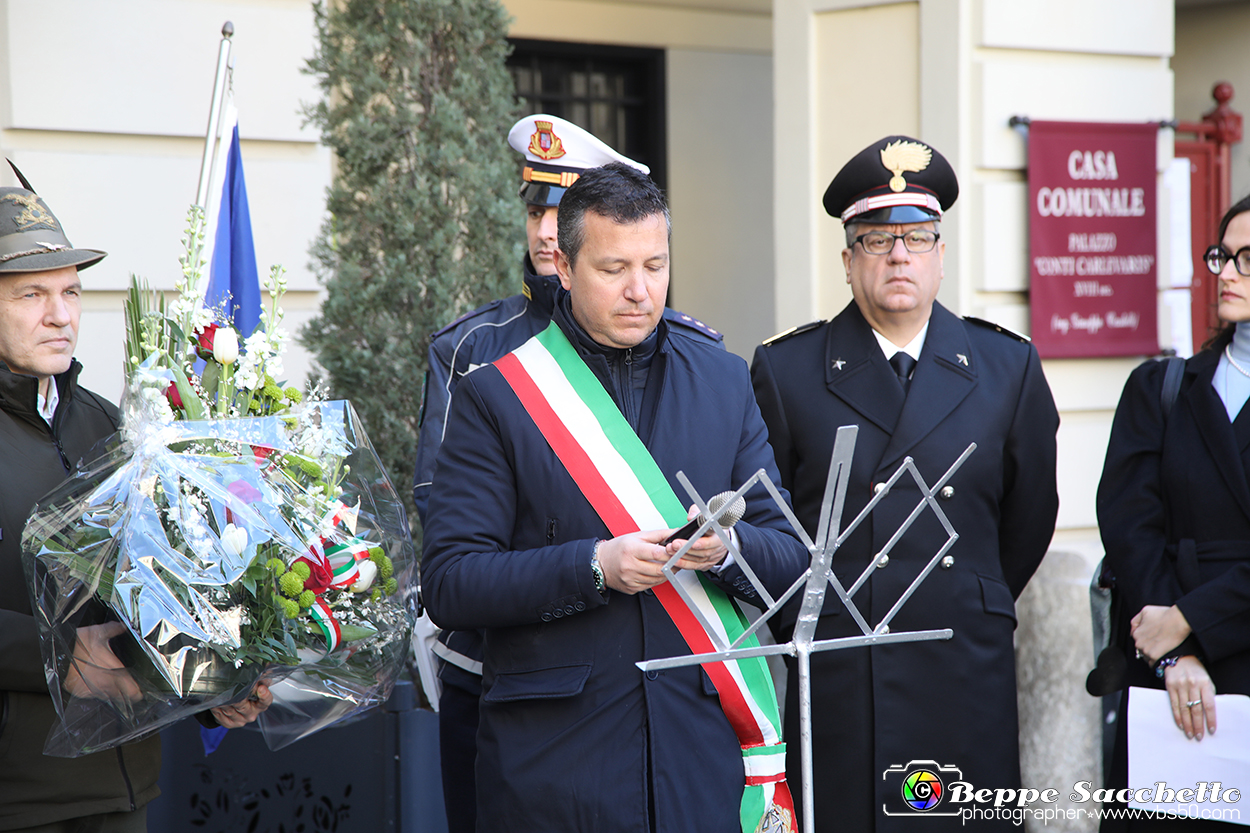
(457, 744)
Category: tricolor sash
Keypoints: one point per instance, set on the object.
(618, 475)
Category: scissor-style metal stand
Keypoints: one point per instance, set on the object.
(816, 580)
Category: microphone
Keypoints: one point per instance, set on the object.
(730, 516)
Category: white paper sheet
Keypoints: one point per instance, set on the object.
(1160, 758)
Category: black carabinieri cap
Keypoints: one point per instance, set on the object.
(895, 180)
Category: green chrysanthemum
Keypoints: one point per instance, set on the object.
(302, 568)
(293, 395)
(385, 568)
(291, 584)
(391, 586)
(306, 599)
(290, 608)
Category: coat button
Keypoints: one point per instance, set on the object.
(580, 606)
(653, 675)
(946, 492)
(948, 562)
(569, 610)
(882, 561)
(876, 489)
(557, 613)
(546, 617)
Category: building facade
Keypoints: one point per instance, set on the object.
(760, 103)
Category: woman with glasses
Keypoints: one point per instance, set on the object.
(1174, 511)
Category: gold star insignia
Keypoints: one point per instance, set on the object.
(837, 364)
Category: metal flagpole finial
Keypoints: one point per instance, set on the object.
(214, 114)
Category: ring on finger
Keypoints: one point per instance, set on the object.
(1193, 703)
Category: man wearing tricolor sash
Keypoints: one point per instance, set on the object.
(555, 153)
(556, 490)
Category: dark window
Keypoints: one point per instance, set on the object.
(617, 93)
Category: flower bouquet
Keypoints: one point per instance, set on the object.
(232, 532)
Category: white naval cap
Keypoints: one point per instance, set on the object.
(556, 152)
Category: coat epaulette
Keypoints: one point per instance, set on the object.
(802, 328)
(998, 328)
(473, 313)
(692, 324)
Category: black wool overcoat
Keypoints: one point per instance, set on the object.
(950, 702)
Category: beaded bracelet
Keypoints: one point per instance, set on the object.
(1164, 664)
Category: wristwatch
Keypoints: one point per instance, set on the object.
(595, 569)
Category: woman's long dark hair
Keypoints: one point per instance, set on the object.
(1224, 334)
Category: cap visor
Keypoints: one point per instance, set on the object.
(896, 214)
(541, 193)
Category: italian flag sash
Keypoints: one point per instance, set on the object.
(617, 474)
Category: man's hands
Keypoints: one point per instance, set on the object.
(634, 562)
(244, 712)
(95, 671)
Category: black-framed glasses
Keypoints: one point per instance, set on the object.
(1217, 256)
(916, 241)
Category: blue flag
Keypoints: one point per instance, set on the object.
(212, 738)
(233, 281)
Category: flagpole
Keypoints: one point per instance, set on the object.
(214, 114)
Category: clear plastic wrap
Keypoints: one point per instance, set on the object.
(210, 555)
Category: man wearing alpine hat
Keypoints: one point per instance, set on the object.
(556, 153)
(47, 424)
(924, 383)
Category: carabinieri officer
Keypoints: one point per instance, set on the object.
(922, 382)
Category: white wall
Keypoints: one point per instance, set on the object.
(104, 107)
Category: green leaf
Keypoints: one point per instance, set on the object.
(351, 633)
(190, 402)
(210, 376)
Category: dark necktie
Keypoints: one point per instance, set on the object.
(903, 365)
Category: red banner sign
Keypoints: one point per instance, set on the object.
(1093, 258)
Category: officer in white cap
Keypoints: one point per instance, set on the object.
(556, 153)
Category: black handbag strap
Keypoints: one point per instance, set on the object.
(1172, 376)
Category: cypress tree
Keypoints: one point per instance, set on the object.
(424, 222)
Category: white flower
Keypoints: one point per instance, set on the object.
(226, 345)
(368, 572)
(234, 539)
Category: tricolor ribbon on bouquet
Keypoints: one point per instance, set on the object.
(345, 559)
